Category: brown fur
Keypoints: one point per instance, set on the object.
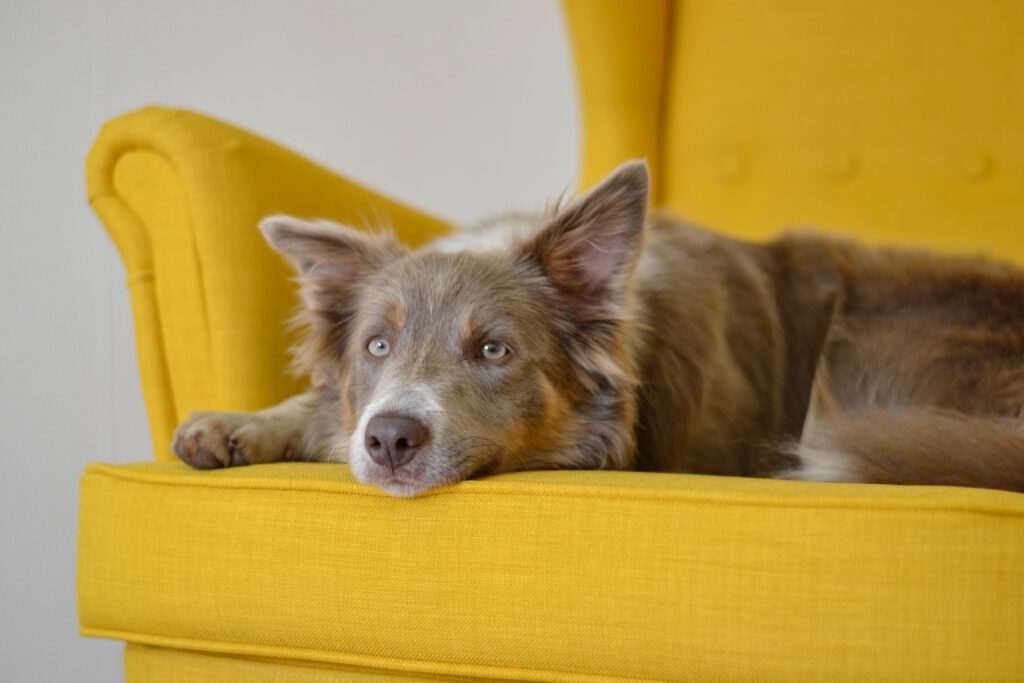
(926, 446)
(651, 344)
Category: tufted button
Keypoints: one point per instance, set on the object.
(729, 167)
(841, 166)
(975, 165)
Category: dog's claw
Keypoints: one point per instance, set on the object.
(206, 459)
(198, 449)
(237, 452)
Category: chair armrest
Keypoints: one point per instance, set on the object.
(181, 195)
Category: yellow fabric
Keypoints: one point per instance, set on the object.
(181, 195)
(559, 576)
(621, 55)
(148, 664)
(896, 122)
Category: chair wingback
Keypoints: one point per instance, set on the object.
(181, 194)
(894, 122)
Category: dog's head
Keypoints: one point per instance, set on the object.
(449, 365)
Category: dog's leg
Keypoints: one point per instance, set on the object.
(217, 439)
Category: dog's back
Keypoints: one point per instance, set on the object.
(861, 364)
(922, 378)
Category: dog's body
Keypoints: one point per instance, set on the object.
(585, 339)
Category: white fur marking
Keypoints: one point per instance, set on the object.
(417, 401)
(493, 236)
(818, 464)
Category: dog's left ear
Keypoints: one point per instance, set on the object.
(588, 250)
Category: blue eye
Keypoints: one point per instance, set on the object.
(493, 351)
(378, 347)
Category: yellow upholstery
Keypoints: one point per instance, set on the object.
(895, 121)
(168, 665)
(544, 576)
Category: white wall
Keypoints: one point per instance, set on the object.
(460, 106)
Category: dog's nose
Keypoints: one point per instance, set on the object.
(394, 439)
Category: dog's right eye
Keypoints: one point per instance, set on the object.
(378, 347)
(493, 351)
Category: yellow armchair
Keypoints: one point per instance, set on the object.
(897, 122)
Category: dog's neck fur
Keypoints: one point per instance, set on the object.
(731, 337)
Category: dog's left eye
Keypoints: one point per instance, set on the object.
(493, 351)
(378, 347)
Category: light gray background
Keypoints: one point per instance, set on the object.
(463, 107)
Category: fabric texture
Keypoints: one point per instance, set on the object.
(895, 123)
(149, 664)
(575, 576)
(898, 123)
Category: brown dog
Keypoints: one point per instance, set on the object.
(594, 337)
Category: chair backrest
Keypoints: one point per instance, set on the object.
(896, 122)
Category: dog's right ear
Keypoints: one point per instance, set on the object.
(332, 260)
(323, 250)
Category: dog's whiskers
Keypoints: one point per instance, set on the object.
(342, 443)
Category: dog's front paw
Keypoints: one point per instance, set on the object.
(212, 439)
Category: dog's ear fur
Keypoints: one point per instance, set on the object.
(589, 248)
(332, 260)
(328, 251)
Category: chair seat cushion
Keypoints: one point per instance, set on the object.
(590, 576)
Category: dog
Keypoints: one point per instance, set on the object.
(597, 336)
